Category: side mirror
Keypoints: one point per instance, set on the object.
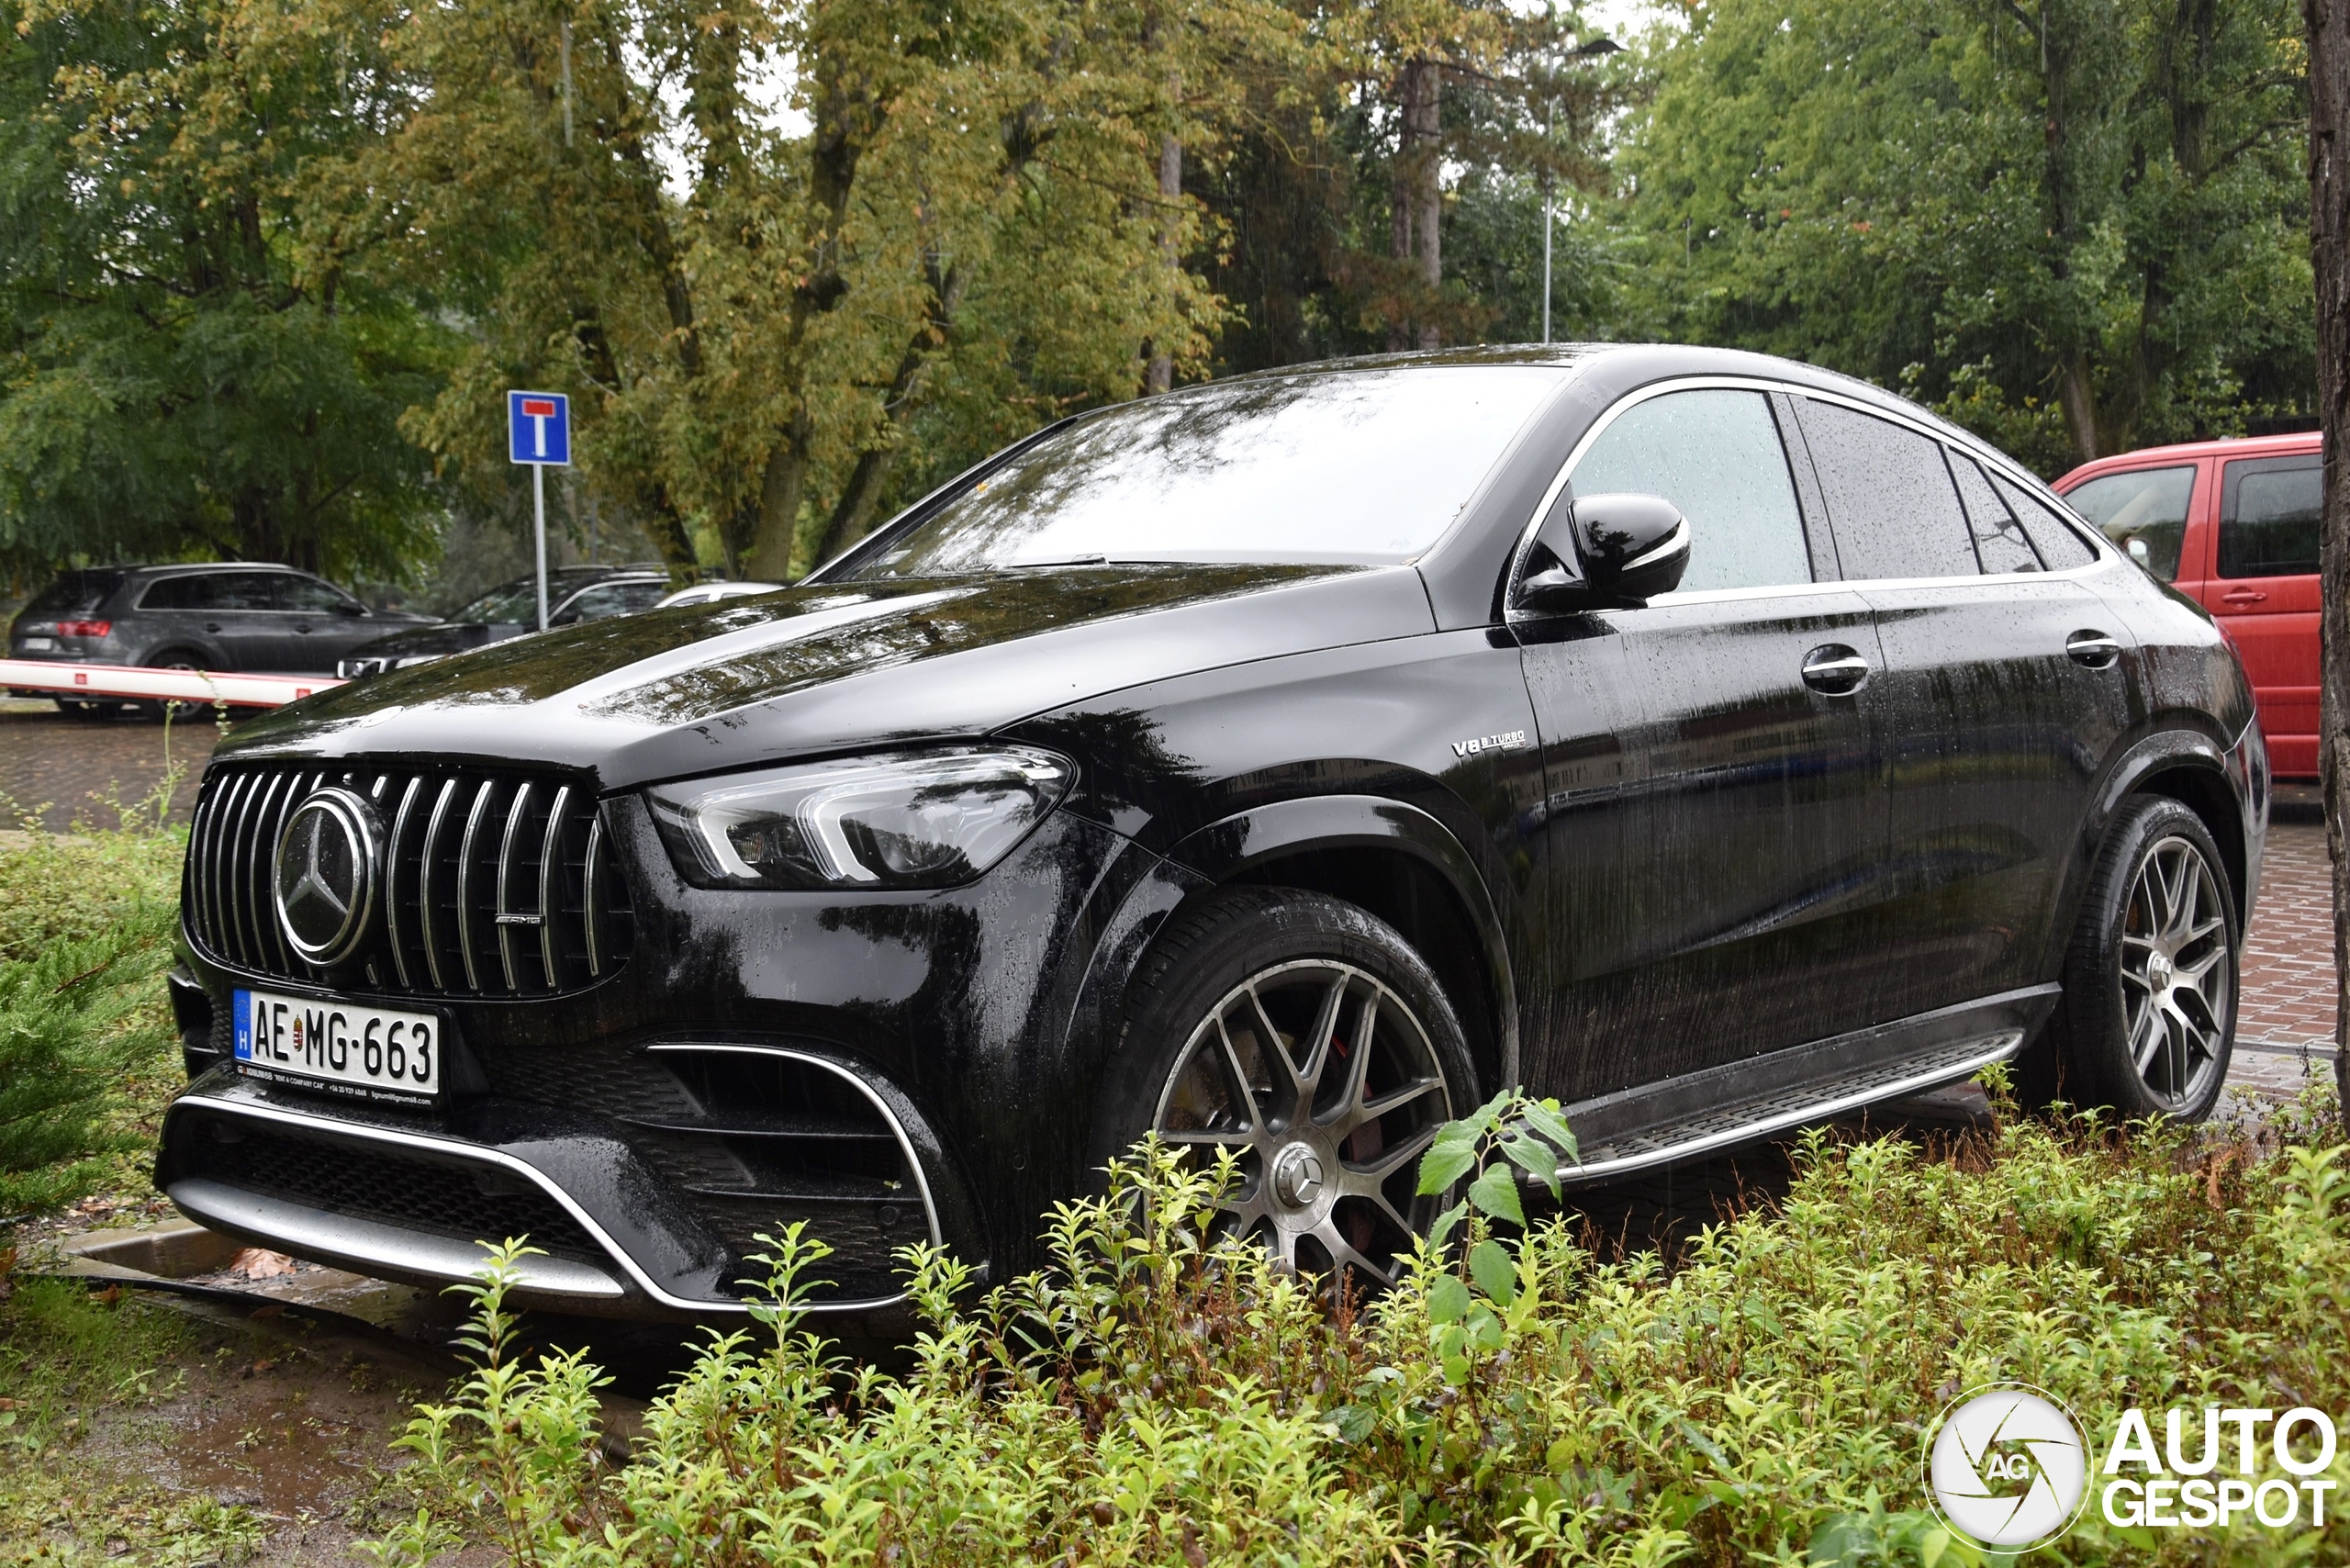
(1624, 550)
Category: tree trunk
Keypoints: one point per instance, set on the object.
(1428, 196)
(854, 513)
(1161, 374)
(2329, 39)
(1417, 194)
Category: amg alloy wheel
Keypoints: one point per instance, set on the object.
(1307, 1037)
(2150, 987)
(1323, 1083)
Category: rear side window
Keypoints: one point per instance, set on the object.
(1715, 454)
(2061, 549)
(1890, 497)
(2268, 517)
(75, 593)
(198, 591)
(309, 594)
(2143, 510)
(1999, 539)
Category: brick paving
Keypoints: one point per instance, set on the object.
(2285, 1016)
(63, 769)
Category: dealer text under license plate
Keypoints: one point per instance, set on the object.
(336, 1042)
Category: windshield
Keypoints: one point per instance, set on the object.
(1361, 466)
(508, 601)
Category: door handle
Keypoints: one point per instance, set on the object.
(212, 625)
(2243, 596)
(1835, 669)
(2094, 649)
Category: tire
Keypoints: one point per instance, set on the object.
(2147, 1024)
(172, 658)
(1328, 1161)
(79, 708)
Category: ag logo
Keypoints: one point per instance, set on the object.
(2007, 1467)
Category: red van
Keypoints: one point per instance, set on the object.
(2232, 524)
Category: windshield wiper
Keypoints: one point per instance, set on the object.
(1054, 561)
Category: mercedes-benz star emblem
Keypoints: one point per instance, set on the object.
(324, 882)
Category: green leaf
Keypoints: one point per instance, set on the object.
(1842, 1540)
(1533, 1157)
(1495, 1193)
(1547, 1123)
(1354, 1422)
(1444, 1224)
(1444, 1164)
(1496, 1272)
(1448, 1299)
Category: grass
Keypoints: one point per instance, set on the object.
(1152, 1398)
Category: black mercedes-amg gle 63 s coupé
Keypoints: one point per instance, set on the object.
(1284, 765)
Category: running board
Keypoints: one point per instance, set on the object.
(1820, 1100)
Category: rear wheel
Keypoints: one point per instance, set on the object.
(1305, 1036)
(2150, 985)
(172, 659)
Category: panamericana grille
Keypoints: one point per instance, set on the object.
(492, 884)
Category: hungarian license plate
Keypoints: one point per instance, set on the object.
(369, 1048)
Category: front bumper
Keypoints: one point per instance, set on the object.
(890, 1069)
(415, 1196)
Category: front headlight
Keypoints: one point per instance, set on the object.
(895, 820)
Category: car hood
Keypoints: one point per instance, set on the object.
(829, 667)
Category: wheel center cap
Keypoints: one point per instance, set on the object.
(1297, 1176)
(2158, 969)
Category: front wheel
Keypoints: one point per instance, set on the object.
(1307, 1037)
(2150, 985)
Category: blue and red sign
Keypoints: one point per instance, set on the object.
(538, 428)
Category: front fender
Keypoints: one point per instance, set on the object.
(1245, 842)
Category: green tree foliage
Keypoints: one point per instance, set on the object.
(191, 361)
(2080, 224)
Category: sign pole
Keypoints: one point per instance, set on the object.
(539, 499)
(538, 431)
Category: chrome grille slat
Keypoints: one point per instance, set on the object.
(392, 882)
(294, 791)
(550, 885)
(589, 904)
(585, 925)
(514, 816)
(482, 798)
(427, 898)
(223, 862)
(243, 896)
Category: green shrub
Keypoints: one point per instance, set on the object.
(87, 923)
(1154, 1397)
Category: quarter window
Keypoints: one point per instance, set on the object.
(2060, 545)
(1889, 496)
(2143, 510)
(1999, 539)
(1715, 454)
(2268, 518)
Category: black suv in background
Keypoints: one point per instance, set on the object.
(250, 618)
(1280, 765)
(573, 594)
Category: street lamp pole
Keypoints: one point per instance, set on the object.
(1588, 50)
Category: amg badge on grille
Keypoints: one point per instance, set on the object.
(324, 880)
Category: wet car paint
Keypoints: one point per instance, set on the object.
(1631, 843)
